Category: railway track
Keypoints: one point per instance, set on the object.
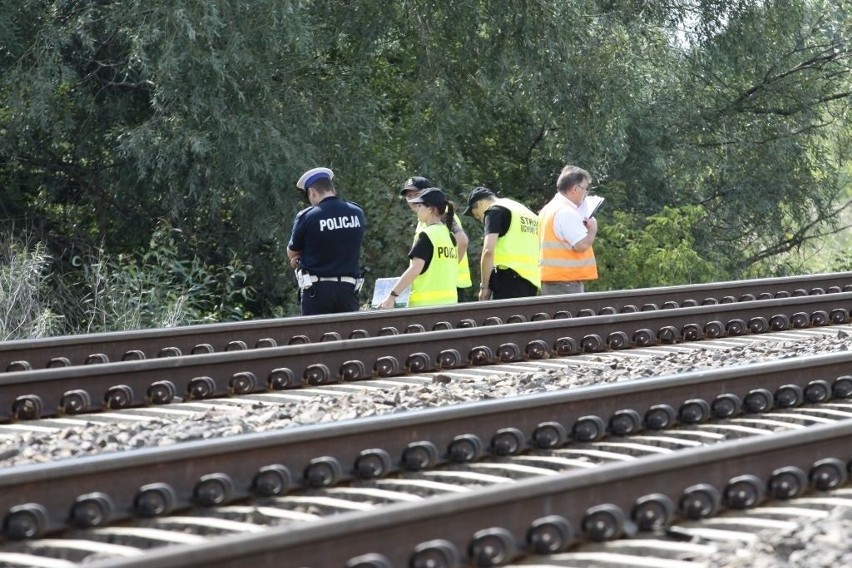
(27, 395)
(684, 544)
(784, 533)
(493, 525)
(401, 501)
(507, 455)
(270, 410)
(205, 339)
(191, 475)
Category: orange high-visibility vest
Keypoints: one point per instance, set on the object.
(558, 262)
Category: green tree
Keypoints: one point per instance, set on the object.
(754, 129)
(119, 114)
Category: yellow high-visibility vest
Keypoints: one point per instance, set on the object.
(437, 286)
(464, 280)
(518, 248)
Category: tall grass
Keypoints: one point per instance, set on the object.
(101, 292)
(25, 312)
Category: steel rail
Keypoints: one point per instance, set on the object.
(66, 351)
(33, 394)
(134, 539)
(38, 499)
(494, 525)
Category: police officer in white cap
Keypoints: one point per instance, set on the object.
(325, 246)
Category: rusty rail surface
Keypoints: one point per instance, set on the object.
(492, 526)
(40, 499)
(72, 390)
(204, 339)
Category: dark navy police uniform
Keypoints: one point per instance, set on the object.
(328, 237)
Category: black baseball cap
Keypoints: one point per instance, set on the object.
(432, 196)
(416, 183)
(476, 194)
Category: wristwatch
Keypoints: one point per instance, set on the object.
(394, 294)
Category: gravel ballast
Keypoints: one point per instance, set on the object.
(823, 543)
(224, 420)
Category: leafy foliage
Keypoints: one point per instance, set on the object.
(761, 96)
(659, 253)
(156, 287)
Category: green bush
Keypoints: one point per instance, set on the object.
(161, 286)
(660, 252)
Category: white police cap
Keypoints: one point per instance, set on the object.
(312, 175)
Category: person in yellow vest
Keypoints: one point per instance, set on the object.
(432, 271)
(567, 259)
(413, 187)
(509, 261)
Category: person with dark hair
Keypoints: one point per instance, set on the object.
(432, 270)
(509, 260)
(413, 187)
(325, 246)
(567, 259)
